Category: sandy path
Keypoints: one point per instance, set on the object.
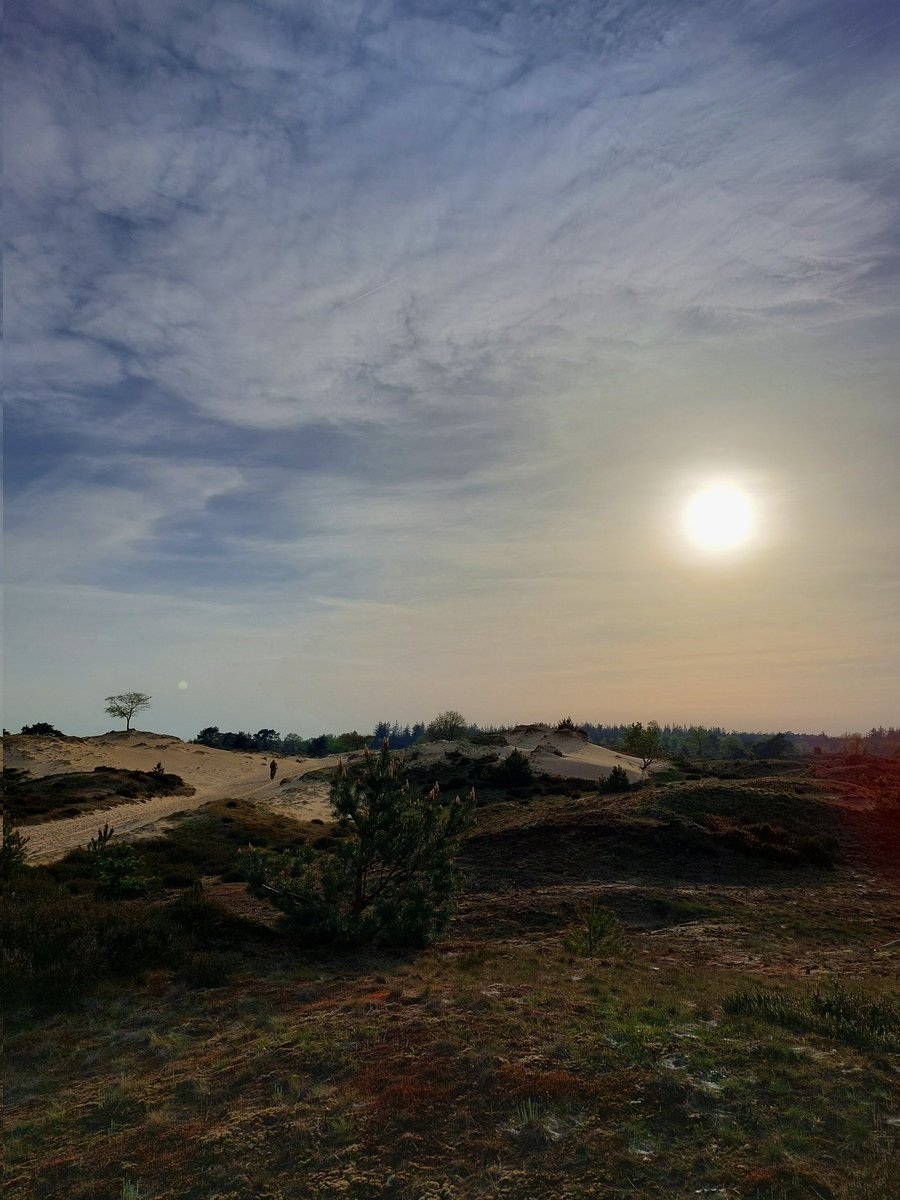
(215, 774)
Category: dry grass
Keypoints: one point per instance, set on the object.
(503, 1062)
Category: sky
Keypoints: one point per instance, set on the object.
(362, 356)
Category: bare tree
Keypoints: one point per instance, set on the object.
(446, 726)
(126, 705)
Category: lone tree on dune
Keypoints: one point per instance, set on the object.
(126, 705)
(390, 880)
(446, 726)
(644, 743)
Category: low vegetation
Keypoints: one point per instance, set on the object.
(622, 1004)
(837, 1011)
(390, 881)
(30, 800)
(13, 850)
(57, 948)
(203, 843)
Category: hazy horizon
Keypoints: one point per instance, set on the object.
(362, 358)
(143, 723)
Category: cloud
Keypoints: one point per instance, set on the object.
(229, 210)
(376, 304)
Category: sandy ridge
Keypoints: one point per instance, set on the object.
(214, 774)
(220, 774)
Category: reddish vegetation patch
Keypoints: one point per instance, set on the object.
(521, 1082)
(868, 780)
(870, 788)
(373, 997)
(414, 1091)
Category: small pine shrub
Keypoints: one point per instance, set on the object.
(13, 850)
(615, 781)
(513, 771)
(391, 880)
(114, 867)
(595, 931)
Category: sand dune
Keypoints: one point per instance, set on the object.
(216, 774)
(566, 753)
(569, 754)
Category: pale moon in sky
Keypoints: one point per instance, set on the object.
(719, 518)
(182, 683)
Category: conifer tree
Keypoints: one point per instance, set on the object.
(391, 880)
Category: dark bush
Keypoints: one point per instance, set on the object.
(208, 923)
(55, 947)
(615, 781)
(391, 881)
(12, 850)
(513, 771)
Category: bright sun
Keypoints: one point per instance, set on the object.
(719, 518)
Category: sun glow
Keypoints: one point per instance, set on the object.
(719, 518)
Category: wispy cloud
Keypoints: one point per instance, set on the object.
(371, 301)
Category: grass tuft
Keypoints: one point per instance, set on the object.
(837, 1011)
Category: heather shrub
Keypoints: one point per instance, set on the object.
(55, 947)
(775, 842)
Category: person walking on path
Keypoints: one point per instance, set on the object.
(273, 767)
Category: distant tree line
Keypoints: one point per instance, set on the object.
(697, 743)
(881, 741)
(269, 741)
(446, 725)
(715, 742)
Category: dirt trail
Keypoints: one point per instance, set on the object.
(218, 774)
(214, 774)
